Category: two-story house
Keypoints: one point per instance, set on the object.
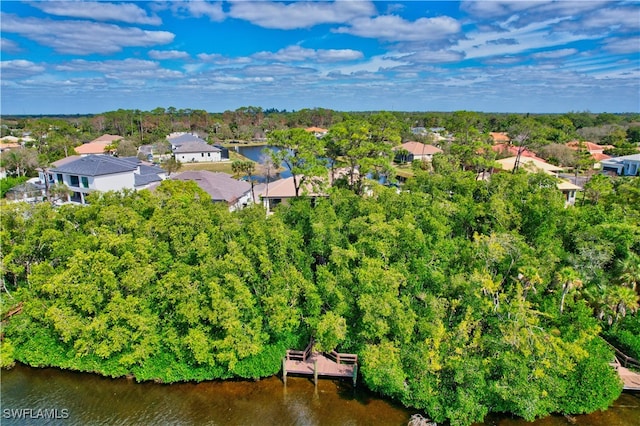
(102, 173)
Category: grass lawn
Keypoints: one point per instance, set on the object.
(223, 166)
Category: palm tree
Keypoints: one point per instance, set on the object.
(570, 280)
(616, 301)
(629, 271)
(246, 168)
(172, 165)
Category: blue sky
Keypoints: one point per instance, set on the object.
(494, 56)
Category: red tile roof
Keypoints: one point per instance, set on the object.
(589, 146)
(513, 150)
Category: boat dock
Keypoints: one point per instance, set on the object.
(316, 364)
(622, 364)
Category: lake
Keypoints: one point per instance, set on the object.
(87, 399)
(254, 153)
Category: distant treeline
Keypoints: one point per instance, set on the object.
(460, 296)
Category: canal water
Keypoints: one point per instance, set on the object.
(87, 399)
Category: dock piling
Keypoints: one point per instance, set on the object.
(284, 370)
(315, 372)
(355, 374)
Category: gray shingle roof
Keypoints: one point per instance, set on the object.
(220, 186)
(98, 165)
(142, 180)
(187, 137)
(189, 147)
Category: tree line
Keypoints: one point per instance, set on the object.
(460, 296)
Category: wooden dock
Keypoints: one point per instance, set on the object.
(316, 364)
(621, 363)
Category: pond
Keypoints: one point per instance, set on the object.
(255, 153)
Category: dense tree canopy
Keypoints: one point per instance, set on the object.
(460, 296)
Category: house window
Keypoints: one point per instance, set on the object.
(208, 154)
(202, 154)
(85, 182)
(74, 180)
(59, 176)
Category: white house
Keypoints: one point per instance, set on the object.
(177, 139)
(627, 165)
(101, 173)
(197, 152)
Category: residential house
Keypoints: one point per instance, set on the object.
(417, 151)
(7, 143)
(534, 165)
(569, 190)
(90, 173)
(197, 152)
(221, 187)
(627, 165)
(98, 146)
(8, 146)
(596, 151)
(500, 137)
(177, 139)
(530, 164)
(508, 150)
(283, 190)
(318, 132)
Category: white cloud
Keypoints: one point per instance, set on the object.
(168, 54)
(395, 28)
(82, 37)
(19, 68)
(129, 64)
(219, 59)
(554, 54)
(373, 65)
(303, 14)
(8, 46)
(435, 56)
(199, 8)
(493, 9)
(300, 54)
(623, 45)
(627, 19)
(530, 37)
(527, 10)
(276, 70)
(98, 11)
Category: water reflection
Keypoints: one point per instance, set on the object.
(91, 399)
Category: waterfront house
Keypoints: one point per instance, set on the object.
(318, 132)
(220, 186)
(197, 152)
(178, 139)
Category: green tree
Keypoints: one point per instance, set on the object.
(301, 153)
(172, 165)
(245, 168)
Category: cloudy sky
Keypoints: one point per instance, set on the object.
(494, 56)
